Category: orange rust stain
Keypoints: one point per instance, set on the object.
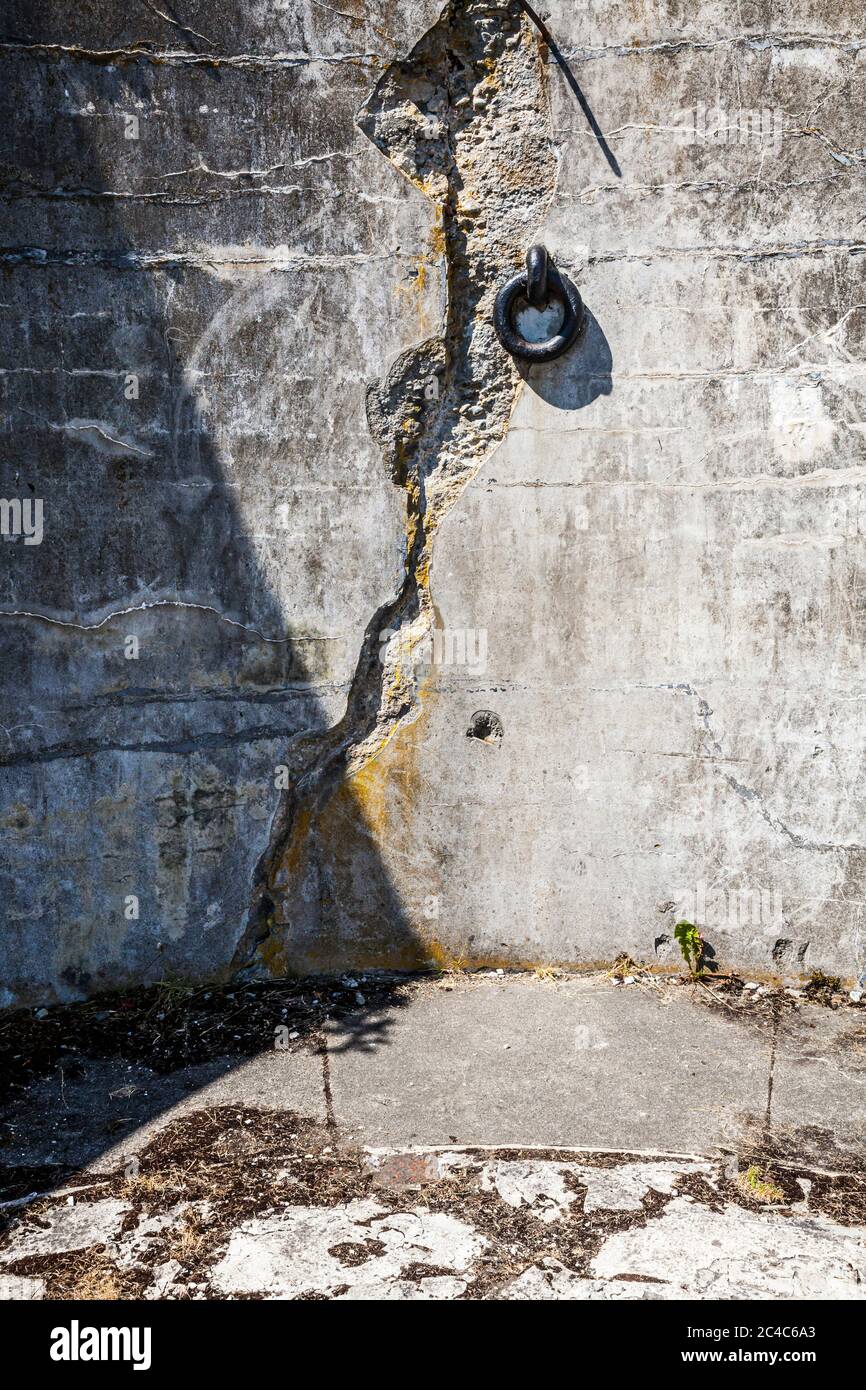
(273, 955)
(296, 853)
(366, 794)
(438, 242)
(367, 925)
(413, 292)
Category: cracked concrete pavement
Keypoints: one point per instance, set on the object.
(499, 1137)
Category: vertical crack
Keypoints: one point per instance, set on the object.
(465, 118)
(330, 1113)
(771, 1077)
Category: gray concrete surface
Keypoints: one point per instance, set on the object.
(443, 1224)
(661, 550)
(645, 559)
(539, 1063)
(578, 1062)
(590, 1063)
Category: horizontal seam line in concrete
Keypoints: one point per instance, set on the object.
(470, 1149)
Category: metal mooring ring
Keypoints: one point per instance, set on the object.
(540, 282)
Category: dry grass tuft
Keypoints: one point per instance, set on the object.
(153, 1184)
(185, 1242)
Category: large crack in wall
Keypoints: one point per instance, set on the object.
(465, 118)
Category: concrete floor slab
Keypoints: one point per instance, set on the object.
(819, 1080)
(517, 1137)
(498, 1060)
(589, 1063)
(519, 1060)
(434, 1224)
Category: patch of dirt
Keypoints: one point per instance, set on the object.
(225, 1164)
(416, 1271)
(599, 1159)
(81, 1274)
(849, 1049)
(696, 1186)
(230, 1163)
(171, 1026)
(824, 989)
(18, 1181)
(355, 1252)
(519, 1239)
(771, 1011)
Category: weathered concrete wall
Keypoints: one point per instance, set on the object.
(646, 559)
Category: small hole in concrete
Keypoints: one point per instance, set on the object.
(485, 725)
(781, 949)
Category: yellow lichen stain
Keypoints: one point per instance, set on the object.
(354, 838)
(440, 957)
(366, 793)
(413, 291)
(438, 242)
(273, 953)
(295, 856)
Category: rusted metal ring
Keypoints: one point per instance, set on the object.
(527, 285)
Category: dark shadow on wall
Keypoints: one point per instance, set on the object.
(159, 512)
(578, 378)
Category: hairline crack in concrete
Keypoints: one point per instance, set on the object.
(445, 405)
